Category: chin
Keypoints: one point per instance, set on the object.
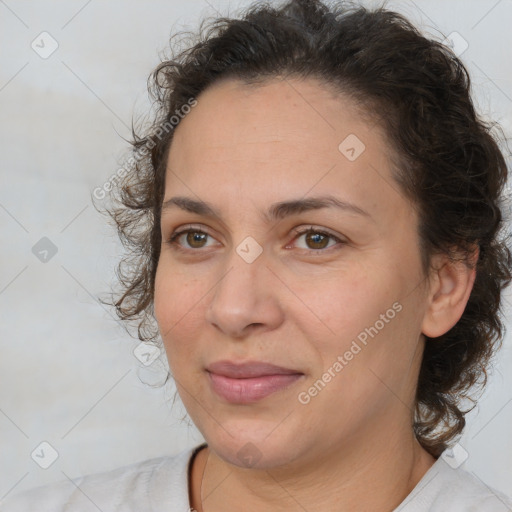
(254, 450)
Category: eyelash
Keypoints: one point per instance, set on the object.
(172, 240)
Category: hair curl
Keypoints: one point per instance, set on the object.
(449, 165)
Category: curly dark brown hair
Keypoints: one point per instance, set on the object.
(449, 164)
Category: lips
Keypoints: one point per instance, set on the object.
(249, 382)
(248, 369)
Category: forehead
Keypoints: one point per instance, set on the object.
(278, 139)
(236, 116)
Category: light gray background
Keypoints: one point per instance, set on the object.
(68, 374)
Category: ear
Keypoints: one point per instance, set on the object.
(451, 283)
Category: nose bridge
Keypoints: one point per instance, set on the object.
(240, 297)
(238, 289)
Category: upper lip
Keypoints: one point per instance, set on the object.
(248, 369)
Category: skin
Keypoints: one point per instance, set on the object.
(300, 304)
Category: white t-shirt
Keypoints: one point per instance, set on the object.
(161, 485)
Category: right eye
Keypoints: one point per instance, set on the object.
(193, 237)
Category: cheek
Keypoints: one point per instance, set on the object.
(341, 306)
(178, 309)
(164, 302)
(365, 315)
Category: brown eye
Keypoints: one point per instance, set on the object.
(189, 239)
(196, 238)
(316, 240)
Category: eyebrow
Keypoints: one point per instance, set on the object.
(276, 211)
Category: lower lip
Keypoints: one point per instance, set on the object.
(245, 391)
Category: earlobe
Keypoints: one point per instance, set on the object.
(451, 283)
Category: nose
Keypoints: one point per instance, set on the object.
(245, 298)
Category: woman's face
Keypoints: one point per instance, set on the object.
(343, 311)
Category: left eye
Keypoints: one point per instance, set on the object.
(316, 240)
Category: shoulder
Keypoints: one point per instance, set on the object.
(151, 485)
(447, 488)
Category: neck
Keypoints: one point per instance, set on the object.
(376, 475)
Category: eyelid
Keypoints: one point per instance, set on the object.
(196, 228)
(301, 230)
(296, 232)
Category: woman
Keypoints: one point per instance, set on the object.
(315, 226)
